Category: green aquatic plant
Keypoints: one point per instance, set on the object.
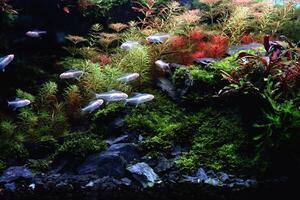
(137, 60)
(216, 144)
(103, 79)
(73, 100)
(79, 145)
(281, 124)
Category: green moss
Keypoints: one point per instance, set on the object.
(78, 146)
(216, 145)
(203, 75)
(39, 165)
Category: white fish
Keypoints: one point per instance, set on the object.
(158, 38)
(139, 98)
(4, 61)
(112, 95)
(92, 106)
(129, 45)
(129, 77)
(162, 65)
(18, 103)
(35, 33)
(71, 74)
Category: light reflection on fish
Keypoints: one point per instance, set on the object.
(112, 95)
(35, 33)
(139, 98)
(71, 74)
(129, 45)
(18, 103)
(162, 65)
(158, 38)
(129, 77)
(92, 106)
(4, 61)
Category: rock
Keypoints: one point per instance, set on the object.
(112, 162)
(235, 49)
(104, 164)
(144, 174)
(129, 45)
(223, 177)
(164, 165)
(127, 150)
(108, 183)
(201, 174)
(15, 173)
(213, 182)
(10, 187)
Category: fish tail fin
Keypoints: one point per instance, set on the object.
(126, 102)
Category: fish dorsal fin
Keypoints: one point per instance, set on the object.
(137, 94)
(113, 91)
(17, 99)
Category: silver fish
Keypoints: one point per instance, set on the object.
(4, 61)
(158, 38)
(112, 95)
(18, 103)
(35, 33)
(92, 106)
(139, 98)
(129, 77)
(129, 45)
(162, 65)
(71, 74)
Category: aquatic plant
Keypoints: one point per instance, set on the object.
(281, 124)
(79, 145)
(137, 60)
(236, 25)
(216, 144)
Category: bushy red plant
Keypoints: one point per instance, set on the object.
(104, 60)
(196, 35)
(198, 54)
(247, 39)
(178, 42)
(220, 40)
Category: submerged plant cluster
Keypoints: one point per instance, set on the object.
(237, 112)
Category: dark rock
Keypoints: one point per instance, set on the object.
(112, 162)
(235, 49)
(126, 150)
(143, 173)
(223, 177)
(15, 173)
(108, 183)
(10, 187)
(164, 165)
(104, 164)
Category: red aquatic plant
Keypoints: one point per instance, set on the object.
(196, 35)
(220, 40)
(199, 54)
(246, 39)
(215, 50)
(178, 42)
(104, 60)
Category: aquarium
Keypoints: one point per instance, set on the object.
(149, 99)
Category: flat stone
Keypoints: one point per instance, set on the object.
(143, 173)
